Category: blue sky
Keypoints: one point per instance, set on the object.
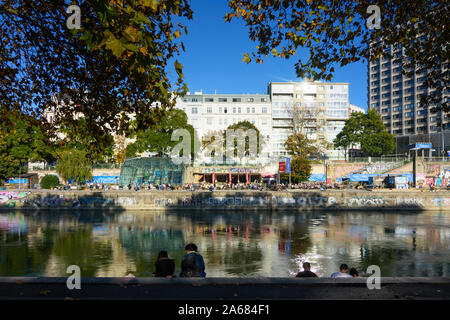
(214, 51)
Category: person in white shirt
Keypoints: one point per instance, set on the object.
(343, 272)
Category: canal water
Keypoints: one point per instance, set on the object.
(233, 244)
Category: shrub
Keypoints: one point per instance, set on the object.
(49, 181)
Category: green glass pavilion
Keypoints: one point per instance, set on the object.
(151, 170)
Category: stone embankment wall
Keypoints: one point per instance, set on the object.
(298, 200)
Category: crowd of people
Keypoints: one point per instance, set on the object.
(258, 186)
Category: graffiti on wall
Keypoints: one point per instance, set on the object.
(29, 200)
(366, 202)
(438, 171)
(410, 202)
(440, 202)
(306, 201)
(9, 198)
(247, 201)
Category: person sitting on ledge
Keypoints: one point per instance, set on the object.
(306, 273)
(343, 272)
(354, 273)
(192, 264)
(165, 266)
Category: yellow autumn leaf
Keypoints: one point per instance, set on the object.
(143, 50)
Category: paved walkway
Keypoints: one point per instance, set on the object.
(42, 288)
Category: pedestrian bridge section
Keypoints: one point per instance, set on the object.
(294, 200)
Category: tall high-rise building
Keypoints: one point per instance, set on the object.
(396, 97)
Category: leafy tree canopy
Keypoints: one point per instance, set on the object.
(22, 139)
(298, 144)
(335, 32)
(301, 169)
(158, 137)
(114, 66)
(74, 164)
(49, 181)
(367, 130)
(209, 143)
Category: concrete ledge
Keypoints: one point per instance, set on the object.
(48, 288)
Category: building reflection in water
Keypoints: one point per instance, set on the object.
(234, 244)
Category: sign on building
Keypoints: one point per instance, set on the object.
(422, 145)
(282, 167)
(288, 165)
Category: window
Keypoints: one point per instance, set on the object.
(331, 87)
(239, 110)
(220, 109)
(264, 109)
(253, 110)
(209, 109)
(263, 99)
(321, 87)
(236, 99)
(248, 110)
(194, 110)
(209, 121)
(225, 110)
(422, 112)
(321, 104)
(234, 109)
(321, 96)
(194, 100)
(298, 104)
(209, 99)
(250, 100)
(223, 99)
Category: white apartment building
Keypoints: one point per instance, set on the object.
(354, 109)
(315, 108)
(215, 112)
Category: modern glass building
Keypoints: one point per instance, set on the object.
(151, 170)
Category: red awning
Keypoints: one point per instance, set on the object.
(267, 175)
